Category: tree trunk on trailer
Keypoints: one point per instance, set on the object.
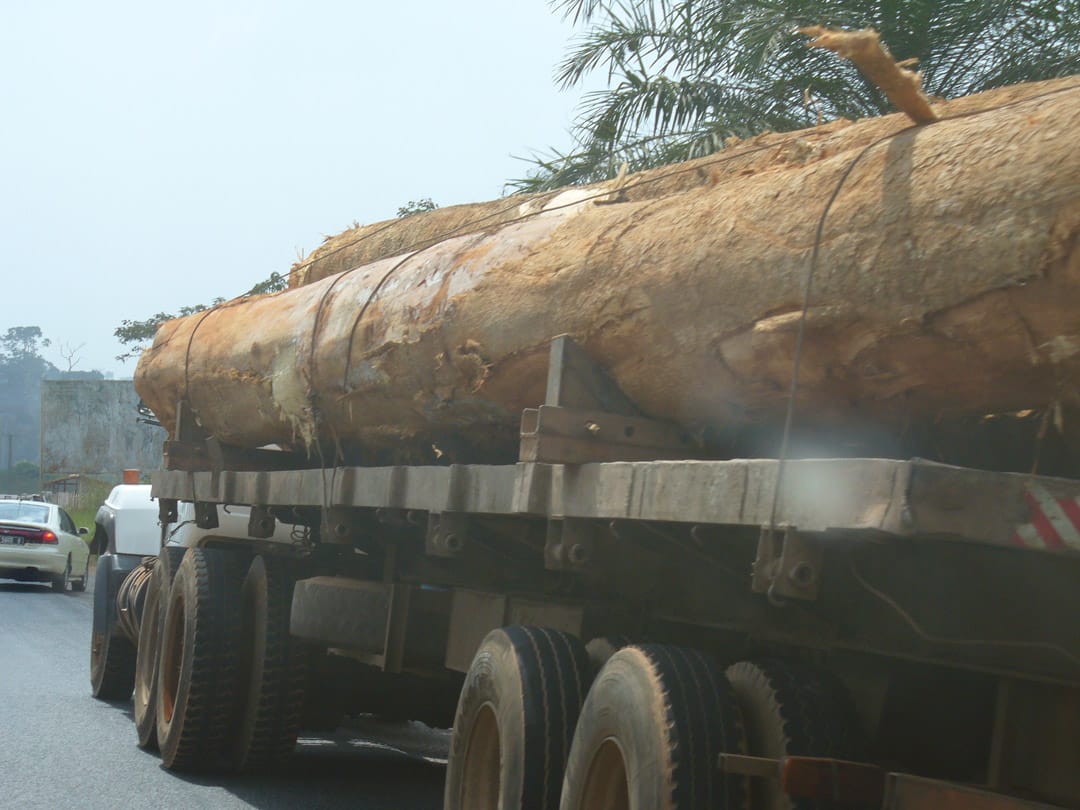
(946, 285)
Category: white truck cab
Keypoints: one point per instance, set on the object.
(129, 520)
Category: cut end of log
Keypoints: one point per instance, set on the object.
(902, 86)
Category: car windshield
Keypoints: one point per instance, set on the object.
(18, 510)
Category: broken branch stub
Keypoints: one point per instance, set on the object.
(901, 86)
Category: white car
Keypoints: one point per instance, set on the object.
(39, 543)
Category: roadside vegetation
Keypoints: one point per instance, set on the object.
(92, 492)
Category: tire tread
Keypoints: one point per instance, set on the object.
(195, 738)
(117, 674)
(808, 711)
(274, 705)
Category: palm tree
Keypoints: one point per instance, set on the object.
(684, 75)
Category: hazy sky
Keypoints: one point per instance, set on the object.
(156, 155)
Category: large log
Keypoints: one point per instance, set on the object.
(947, 283)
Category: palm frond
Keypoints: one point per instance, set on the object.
(681, 71)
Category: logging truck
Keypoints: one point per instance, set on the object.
(647, 529)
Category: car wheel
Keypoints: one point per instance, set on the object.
(79, 585)
(60, 583)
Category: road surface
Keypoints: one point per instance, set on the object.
(59, 747)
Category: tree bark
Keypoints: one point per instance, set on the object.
(946, 284)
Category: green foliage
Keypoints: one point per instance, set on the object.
(137, 335)
(21, 343)
(25, 468)
(683, 75)
(91, 494)
(276, 282)
(416, 207)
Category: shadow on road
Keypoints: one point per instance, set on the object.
(26, 587)
(368, 766)
(32, 588)
(368, 778)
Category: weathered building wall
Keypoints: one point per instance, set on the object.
(19, 428)
(90, 426)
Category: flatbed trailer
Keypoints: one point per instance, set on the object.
(876, 564)
(902, 633)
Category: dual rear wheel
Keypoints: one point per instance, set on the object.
(146, 658)
(220, 683)
(515, 720)
(648, 734)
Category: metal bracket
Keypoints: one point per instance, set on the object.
(586, 417)
(553, 435)
(574, 381)
(446, 534)
(206, 515)
(261, 523)
(167, 510)
(570, 545)
(787, 565)
(192, 449)
(340, 525)
(188, 427)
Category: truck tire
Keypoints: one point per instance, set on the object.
(273, 668)
(197, 660)
(112, 666)
(793, 709)
(146, 657)
(514, 721)
(650, 732)
(600, 649)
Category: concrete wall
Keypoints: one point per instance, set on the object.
(89, 426)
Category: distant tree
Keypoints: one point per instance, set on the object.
(20, 355)
(70, 354)
(22, 343)
(684, 75)
(416, 207)
(25, 469)
(22, 369)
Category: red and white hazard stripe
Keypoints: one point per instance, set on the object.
(1055, 522)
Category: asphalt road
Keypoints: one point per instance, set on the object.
(60, 748)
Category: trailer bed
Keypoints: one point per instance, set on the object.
(874, 496)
